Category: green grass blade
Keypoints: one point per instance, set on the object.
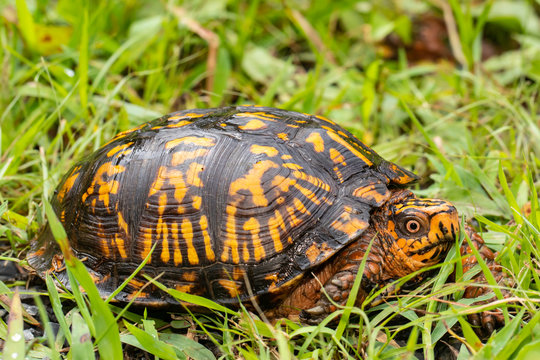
(82, 347)
(57, 307)
(447, 164)
(151, 343)
(14, 346)
(26, 24)
(82, 68)
(344, 321)
(103, 322)
(192, 299)
(514, 207)
(48, 331)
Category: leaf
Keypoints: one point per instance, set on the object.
(103, 324)
(14, 346)
(530, 351)
(81, 347)
(470, 335)
(151, 343)
(221, 76)
(26, 23)
(261, 66)
(187, 346)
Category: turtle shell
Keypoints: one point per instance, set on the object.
(236, 202)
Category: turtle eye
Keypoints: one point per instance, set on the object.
(412, 226)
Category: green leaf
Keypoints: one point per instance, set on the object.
(151, 343)
(82, 68)
(192, 299)
(529, 351)
(26, 23)
(81, 347)
(57, 306)
(102, 324)
(470, 335)
(14, 346)
(221, 76)
(187, 346)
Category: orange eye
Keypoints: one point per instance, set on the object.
(412, 226)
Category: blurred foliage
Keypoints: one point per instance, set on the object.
(449, 89)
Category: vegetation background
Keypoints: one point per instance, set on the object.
(448, 89)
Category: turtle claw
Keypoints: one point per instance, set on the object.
(316, 310)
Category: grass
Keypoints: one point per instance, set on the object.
(74, 73)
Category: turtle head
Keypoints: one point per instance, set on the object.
(419, 232)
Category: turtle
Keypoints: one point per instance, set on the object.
(247, 204)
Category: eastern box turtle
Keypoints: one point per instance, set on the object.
(246, 196)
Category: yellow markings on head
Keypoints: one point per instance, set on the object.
(178, 124)
(119, 148)
(292, 166)
(286, 157)
(147, 244)
(70, 181)
(312, 253)
(349, 147)
(193, 174)
(210, 256)
(268, 150)
(177, 254)
(187, 233)
(231, 286)
(316, 139)
(337, 157)
(253, 226)
(119, 240)
(191, 140)
(196, 201)
(181, 157)
(283, 136)
(253, 125)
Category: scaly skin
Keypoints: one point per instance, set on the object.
(384, 265)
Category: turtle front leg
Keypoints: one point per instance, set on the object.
(337, 290)
(486, 321)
